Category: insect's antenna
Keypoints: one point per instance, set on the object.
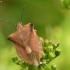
(8, 21)
(22, 13)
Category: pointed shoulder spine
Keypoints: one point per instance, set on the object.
(31, 26)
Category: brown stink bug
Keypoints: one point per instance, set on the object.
(27, 43)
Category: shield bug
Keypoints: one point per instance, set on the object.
(27, 43)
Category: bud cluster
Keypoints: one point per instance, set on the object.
(50, 50)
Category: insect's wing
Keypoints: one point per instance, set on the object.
(22, 53)
(36, 44)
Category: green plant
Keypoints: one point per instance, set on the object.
(65, 4)
(50, 52)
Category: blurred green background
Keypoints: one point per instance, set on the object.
(50, 21)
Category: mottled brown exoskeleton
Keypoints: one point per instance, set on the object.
(27, 43)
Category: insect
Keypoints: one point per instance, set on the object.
(27, 43)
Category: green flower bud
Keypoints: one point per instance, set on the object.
(42, 40)
(44, 55)
(47, 60)
(57, 52)
(55, 44)
(44, 61)
(63, 4)
(51, 55)
(49, 49)
(46, 42)
(53, 67)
